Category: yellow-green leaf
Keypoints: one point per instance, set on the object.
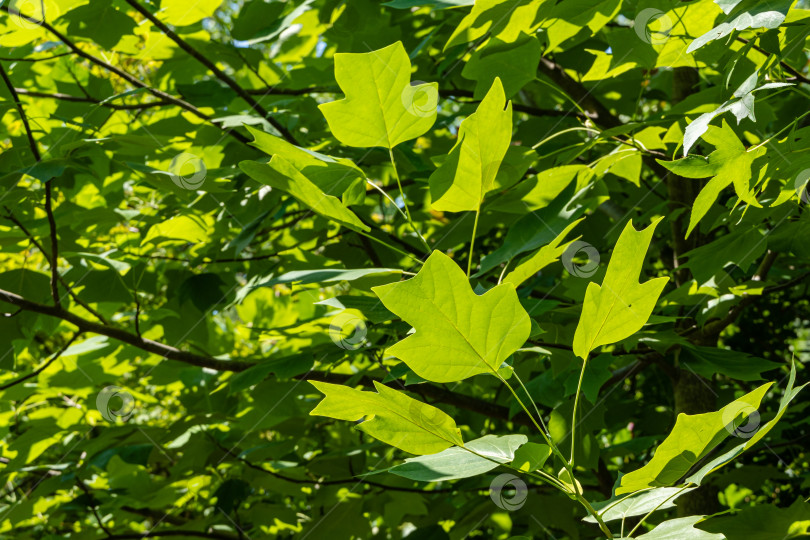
(543, 257)
(391, 416)
(381, 107)
(281, 174)
(692, 438)
(458, 333)
(620, 306)
(461, 182)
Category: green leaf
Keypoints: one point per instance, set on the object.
(514, 63)
(436, 4)
(381, 107)
(476, 457)
(637, 504)
(281, 174)
(741, 248)
(554, 216)
(182, 13)
(502, 19)
(180, 228)
(391, 416)
(531, 456)
(742, 105)
(764, 522)
(371, 307)
(621, 305)
(101, 22)
(692, 438)
(720, 461)
(331, 175)
(709, 361)
(543, 257)
(578, 18)
(327, 275)
(746, 14)
(461, 182)
(680, 529)
(458, 333)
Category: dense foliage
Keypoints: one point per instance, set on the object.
(424, 269)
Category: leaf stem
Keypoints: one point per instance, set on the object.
(472, 240)
(536, 409)
(574, 414)
(630, 534)
(405, 201)
(772, 137)
(526, 410)
(503, 272)
(389, 246)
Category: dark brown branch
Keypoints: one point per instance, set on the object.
(92, 503)
(54, 244)
(221, 75)
(64, 283)
(600, 114)
(796, 74)
(79, 99)
(31, 141)
(54, 254)
(786, 285)
(148, 345)
(324, 482)
(428, 391)
(44, 58)
(165, 534)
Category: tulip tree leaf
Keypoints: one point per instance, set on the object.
(764, 522)
(692, 438)
(461, 182)
(504, 20)
(331, 175)
(543, 257)
(531, 456)
(680, 529)
(729, 164)
(637, 504)
(476, 457)
(181, 13)
(391, 416)
(746, 14)
(515, 63)
(458, 333)
(620, 306)
(281, 174)
(790, 393)
(381, 107)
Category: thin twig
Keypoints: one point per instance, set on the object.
(128, 77)
(44, 366)
(221, 75)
